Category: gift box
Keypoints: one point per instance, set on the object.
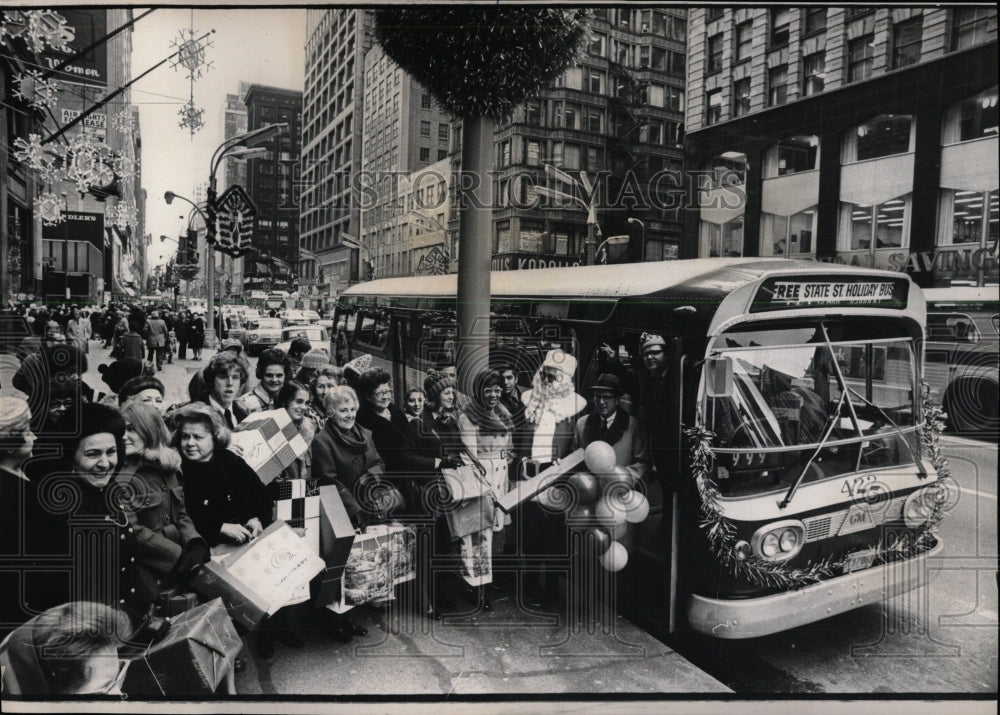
(295, 489)
(301, 513)
(336, 536)
(270, 442)
(192, 659)
(528, 488)
(256, 579)
(174, 602)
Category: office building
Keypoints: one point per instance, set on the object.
(860, 135)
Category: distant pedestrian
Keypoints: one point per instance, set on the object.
(155, 333)
(196, 335)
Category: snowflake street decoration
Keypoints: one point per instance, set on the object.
(124, 166)
(39, 28)
(30, 152)
(191, 53)
(191, 117)
(88, 163)
(36, 90)
(124, 121)
(49, 208)
(121, 216)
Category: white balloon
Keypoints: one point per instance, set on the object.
(636, 507)
(615, 558)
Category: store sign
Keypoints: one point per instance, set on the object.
(529, 261)
(954, 263)
(89, 26)
(78, 226)
(779, 293)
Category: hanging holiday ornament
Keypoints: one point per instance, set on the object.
(30, 152)
(191, 53)
(124, 166)
(124, 121)
(49, 208)
(191, 117)
(38, 28)
(35, 90)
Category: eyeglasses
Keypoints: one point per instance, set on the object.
(652, 352)
(603, 397)
(383, 393)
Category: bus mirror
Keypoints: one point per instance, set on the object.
(719, 377)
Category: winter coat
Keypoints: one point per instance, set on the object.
(223, 490)
(342, 459)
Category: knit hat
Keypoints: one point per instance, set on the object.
(231, 344)
(649, 340)
(139, 384)
(119, 372)
(315, 359)
(435, 384)
(96, 418)
(561, 361)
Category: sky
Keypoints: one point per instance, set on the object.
(258, 46)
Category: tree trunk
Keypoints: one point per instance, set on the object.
(474, 250)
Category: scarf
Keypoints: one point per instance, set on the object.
(495, 421)
(352, 440)
(558, 398)
(592, 428)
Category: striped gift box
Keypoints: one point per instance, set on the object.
(270, 442)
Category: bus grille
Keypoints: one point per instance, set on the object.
(827, 525)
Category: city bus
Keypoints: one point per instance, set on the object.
(963, 357)
(799, 485)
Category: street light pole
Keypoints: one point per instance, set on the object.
(642, 254)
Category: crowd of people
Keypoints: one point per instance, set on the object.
(162, 483)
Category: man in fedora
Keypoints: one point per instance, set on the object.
(610, 423)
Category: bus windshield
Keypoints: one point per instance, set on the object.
(811, 399)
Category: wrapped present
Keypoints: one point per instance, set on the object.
(336, 536)
(301, 513)
(258, 578)
(295, 489)
(192, 659)
(269, 442)
(476, 553)
(175, 601)
(528, 488)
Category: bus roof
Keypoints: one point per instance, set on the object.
(715, 275)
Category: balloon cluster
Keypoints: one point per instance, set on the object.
(605, 494)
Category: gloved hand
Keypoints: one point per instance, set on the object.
(451, 462)
(361, 521)
(194, 555)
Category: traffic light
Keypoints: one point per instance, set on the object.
(192, 247)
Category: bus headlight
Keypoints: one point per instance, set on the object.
(918, 508)
(779, 541)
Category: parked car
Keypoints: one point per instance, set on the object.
(298, 317)
(260, 334)
(319, 337)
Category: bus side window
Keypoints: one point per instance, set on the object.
(373, 331)
(614, 354)
(963, 330)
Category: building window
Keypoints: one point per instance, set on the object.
(906, 42)
(533, 114)
(533, 153)
(713, 107)
(596, 83)
(594, 122)
(676, 64)
(715, 53)
(425, 154)
(425, 101)
(853, 12)
(865, 227)
(777, 85)
(791, 156)
(598, 45)
(787, 235)
(860, 58)
(442, 154)
(814, 20)
(725, 240)
(971, 26)
(741, 97)
(972, 118)
(425, 129)
(813, 73)
(443, 132)
(961, 217)
(728, 169)
(781, 19)
(885, 135)
(505, 153)
(674, 99)
(744, 40)
(714, 13)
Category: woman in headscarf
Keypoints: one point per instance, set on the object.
(70, 649)
(169, 549)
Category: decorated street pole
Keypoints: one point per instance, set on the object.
(479, 63)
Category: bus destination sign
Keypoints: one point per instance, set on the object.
(844, 291)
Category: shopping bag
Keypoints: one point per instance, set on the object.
(476, 553)
(469, 516)
(465, 482)
(381, 558)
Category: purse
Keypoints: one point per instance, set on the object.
(472, 500)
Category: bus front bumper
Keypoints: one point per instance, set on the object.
(755, 617)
